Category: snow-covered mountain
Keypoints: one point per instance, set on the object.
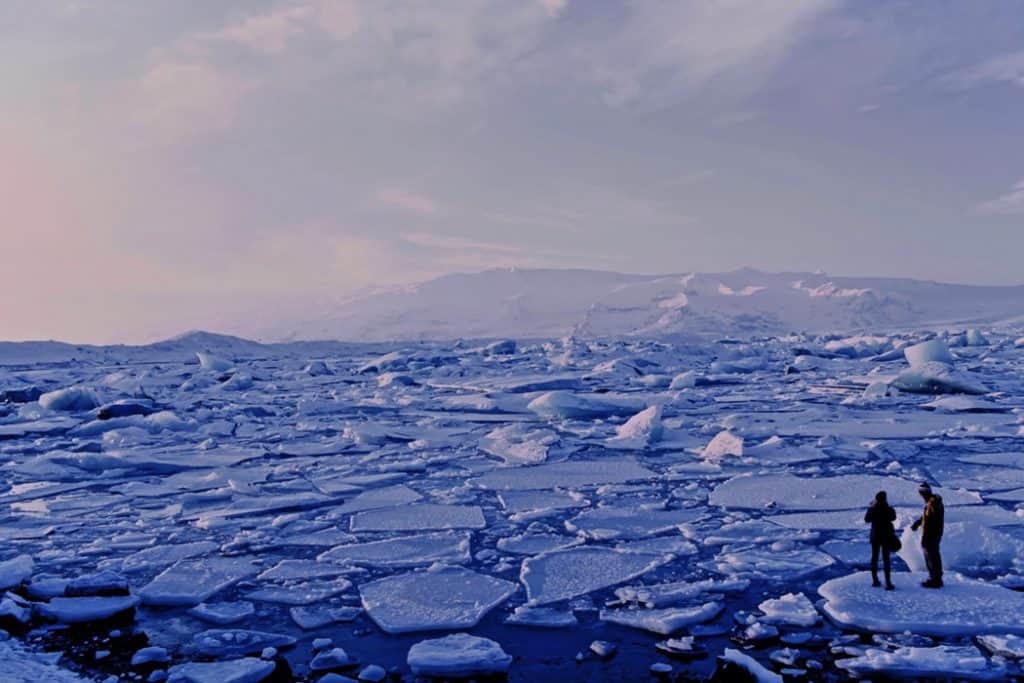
(550, 303)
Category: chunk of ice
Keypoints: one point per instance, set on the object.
(724, 444)
(190, 582)
(419, 517)
(246, 670)
(962, 607)
(564, 405)
(459, 655)
(628, 523)
(566, 574)
(664, 621)
(16, 571)
(80, 610)
(794, 609)
(845, 492)
(446, 546)
(931, 351)
(942, 661)
(446, 598)
(937, 378)
(640, 431)
(967, 547)
(233, 642)
(570, 474)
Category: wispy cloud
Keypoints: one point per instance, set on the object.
(446, 242)
(1010, 203)
(1007, 68)
(411, 202)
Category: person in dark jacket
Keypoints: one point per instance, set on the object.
(880, 516)
(932, 523)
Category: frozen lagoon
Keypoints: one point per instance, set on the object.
(292, 493)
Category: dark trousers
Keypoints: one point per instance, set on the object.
(932, 560)
(877, 548)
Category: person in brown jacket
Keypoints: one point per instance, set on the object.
(931, 523)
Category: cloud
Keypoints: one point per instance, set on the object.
(433, 241)
(268, 33)
(406, 201)
(178, 99)
(1008, 68)
(1010, 203)
(663, 48)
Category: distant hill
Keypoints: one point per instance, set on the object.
(527, 304)
(552, 303)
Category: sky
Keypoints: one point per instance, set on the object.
(170, 165)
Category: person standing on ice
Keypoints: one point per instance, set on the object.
(931, 523)
(880, 516)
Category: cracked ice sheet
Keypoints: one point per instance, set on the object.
(567, 574)
(628, 523)
(419, 517)
(190, 582)
(962, 607)
(837, 520)
(570, 474)
(943, 661)
(446, 546)
(844, 492)
(768, 563)
(301, 593)
(665, 621)
(447, 598)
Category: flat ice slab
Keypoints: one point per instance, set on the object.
(570, 573)
(446, 598)
(628, 523)
(665, 621)
(963, 607)
(460, 655)
(944, 661)
(845, 492)
(419, 517)
(247, 670)
(191, 582)
(571, 474)
(79, 610)
(445, 546)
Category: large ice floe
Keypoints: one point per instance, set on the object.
(585, 508)
(440, 598)
(962, 607)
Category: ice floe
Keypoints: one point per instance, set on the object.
(408, 551)
(438, 599)
(962, 607)
(190, 582)
(459, 655)
(943, 661)
(566, 574)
